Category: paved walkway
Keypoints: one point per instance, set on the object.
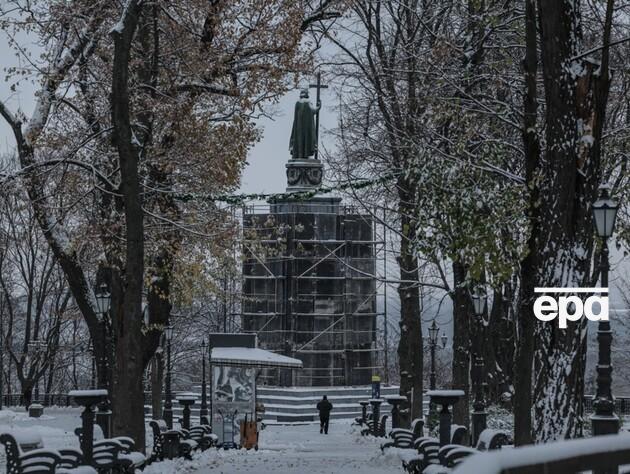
(296, 450)
(283, 449)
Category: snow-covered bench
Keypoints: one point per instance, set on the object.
(453, 454)
(25, 453)
(118, 453)
(599, 454)
(162, 436)
(202, 435)
(378, 430)
(404, 438)
(426, 451)
(430, 458)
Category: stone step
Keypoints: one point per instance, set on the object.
(298, 404)
(317, 392)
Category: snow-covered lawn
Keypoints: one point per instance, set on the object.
(283, 449)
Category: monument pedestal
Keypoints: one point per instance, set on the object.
(304, 174)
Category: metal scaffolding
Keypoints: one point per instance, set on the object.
(310, 289)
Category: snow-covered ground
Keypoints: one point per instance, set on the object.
(283, 449)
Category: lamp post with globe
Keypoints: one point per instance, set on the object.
(479, 415)
(168, 402)
(604, 420)
(103, 305)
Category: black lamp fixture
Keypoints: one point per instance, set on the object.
(605, 212)
(479, 300)
(103, 299)
(433, 333)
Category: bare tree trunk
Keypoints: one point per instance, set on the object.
(576, 100)
(498, 346)
(410, 352)
(523, 360)
(128, 399)
(157, 382)
(462, 314)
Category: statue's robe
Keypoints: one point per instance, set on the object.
(303, 141)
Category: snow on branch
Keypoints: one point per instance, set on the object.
(11, 119)
(205, 87)
(56, 74)
(322, 13)
(128, 8)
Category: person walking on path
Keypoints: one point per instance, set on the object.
(324, 407)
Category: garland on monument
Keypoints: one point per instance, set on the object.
(237, 199)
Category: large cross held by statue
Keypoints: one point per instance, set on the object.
(318, 104)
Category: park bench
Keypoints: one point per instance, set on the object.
(162, 437)
(452, 454)
(433, 459)
(598, 454)
(379, 430)
(361, 421)
(403, 438)
(118, 453)
(26, 454)
(202, 435)
(426, 450)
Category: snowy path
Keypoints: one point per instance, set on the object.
(295, 450)
(283, 449)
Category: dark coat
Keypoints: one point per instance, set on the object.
(324, 407)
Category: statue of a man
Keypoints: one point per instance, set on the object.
(303, 142)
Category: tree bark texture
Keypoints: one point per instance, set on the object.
(410, 344)
(462, 314)
(524, 327)
(128, 399)
(569, 174)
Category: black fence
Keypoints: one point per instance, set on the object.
(46, 399)
(622, 405)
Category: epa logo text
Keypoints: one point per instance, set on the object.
(572, 307)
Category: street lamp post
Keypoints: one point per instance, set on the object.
(203, 412)
(93, 374)
(433, 332)
(432, 341)
(103, 304)
(479, 415)
(168, 402)
(210, 378)
(36, 345)
(604, 420)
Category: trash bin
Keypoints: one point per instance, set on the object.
(249, 433)
(171, 444)
(35, 410)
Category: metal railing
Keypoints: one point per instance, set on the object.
(45, 399)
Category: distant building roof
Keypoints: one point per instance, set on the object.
(252, 357)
